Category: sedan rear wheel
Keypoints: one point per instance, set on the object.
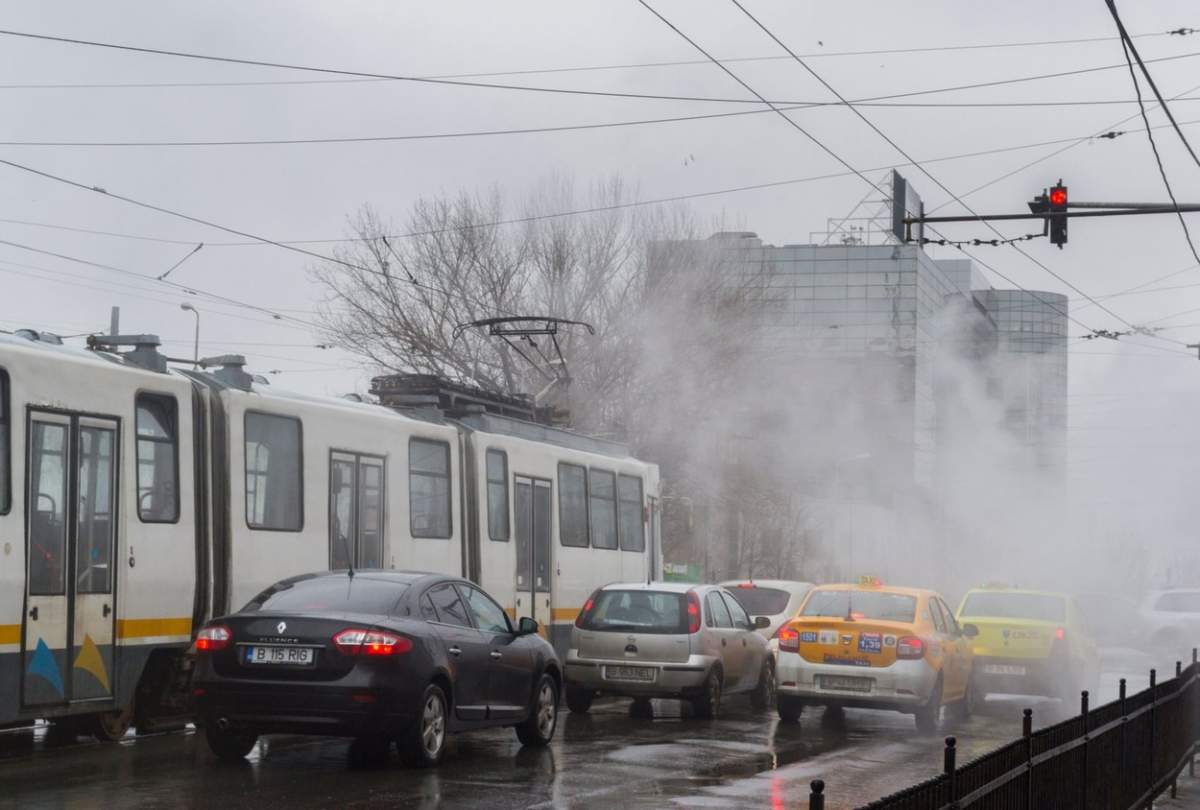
(789, 708)
(425, 741)
(763, 697)
(579, 700)
(929, 715)
(538, 729)
(228, 744)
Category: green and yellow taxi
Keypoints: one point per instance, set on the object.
(1030, 642)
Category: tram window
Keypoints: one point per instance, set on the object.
(603, 508)
(157, 459)
(48, 505)
(572, 506)
(497, 494)
(629, 502)
(94, 511)
(355, 510)
(5, 472)
(274, 484)
(429, 488)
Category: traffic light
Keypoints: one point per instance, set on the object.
(1057, 200)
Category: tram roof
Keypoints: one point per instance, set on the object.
(533, 431)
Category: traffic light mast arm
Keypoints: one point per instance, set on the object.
(1148, 208)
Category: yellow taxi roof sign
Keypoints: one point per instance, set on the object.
(868, 581)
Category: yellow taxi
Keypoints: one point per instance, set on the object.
(1030, 643)
(875, 646)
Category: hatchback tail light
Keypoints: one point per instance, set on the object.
(356, 641)
(910, 648)
(789, 639)
(693, 612)
(581, 617)
(1060, 634)
(212, 638)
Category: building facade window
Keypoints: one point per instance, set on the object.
(274, 481)
(602, 492)
(157, 422)
(497, 494)
(572, 505)
(429, 488)
(629, 502)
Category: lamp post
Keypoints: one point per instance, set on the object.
(196, 344)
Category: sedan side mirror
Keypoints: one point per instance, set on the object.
(527, 626)
(761, 622)
(970, 630)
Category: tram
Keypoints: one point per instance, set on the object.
(138, 500)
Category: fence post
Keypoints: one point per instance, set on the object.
(948, 766)
(1027, 733)
(1195, 731)
(1083, 711)
(1150, 783)
(1124, 720)
(1175, 779)
(816, 796)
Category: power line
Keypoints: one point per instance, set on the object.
(1125, 47)
(925, 171)
(534, 88)
(578, 69)
(483, 133)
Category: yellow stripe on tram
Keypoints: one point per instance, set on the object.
(10, 634)
(150, 628)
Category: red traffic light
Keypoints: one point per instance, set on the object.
(1058, 196)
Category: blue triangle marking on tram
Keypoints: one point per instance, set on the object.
(44, 665)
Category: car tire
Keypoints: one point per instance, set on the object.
(229, 745)
(538, 728)
(789, 708)
(929, 715)
(579, 700)
(763, 697)
(424, 742)
(707, 704)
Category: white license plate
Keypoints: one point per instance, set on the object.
(1003, 669)
(643, 674)
(843, 684)
(295, 656)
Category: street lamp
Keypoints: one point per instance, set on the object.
(196, 345)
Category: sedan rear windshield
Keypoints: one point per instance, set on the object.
(887, 607)
(637, 612)
(337, 594)
(1035, 606)
(761, 601)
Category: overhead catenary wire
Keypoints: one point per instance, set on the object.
(535, 88)
(585, 68)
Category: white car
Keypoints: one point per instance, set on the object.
(777, 599)
(1172, 619)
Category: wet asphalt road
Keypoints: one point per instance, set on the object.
(606, 759)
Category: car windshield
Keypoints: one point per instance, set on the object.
(888, 607)
(338, 594)
(1035, 606)
(637, 612)
(761, 601)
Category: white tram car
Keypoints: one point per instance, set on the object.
(137, 501)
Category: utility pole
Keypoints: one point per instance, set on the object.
(196, 344)
(114, 322)
(1195, 346)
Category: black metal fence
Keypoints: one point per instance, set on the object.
(1121, 755)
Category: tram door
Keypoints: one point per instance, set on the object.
(532, 504)
(69, 621)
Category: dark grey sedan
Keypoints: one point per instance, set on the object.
(374, 655)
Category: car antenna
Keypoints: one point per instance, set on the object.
(349, 558)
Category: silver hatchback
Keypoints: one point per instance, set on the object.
(668, 640)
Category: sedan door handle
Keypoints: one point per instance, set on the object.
(496, 655)
(454, 651)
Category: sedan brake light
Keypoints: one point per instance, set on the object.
(356, 641)
(581, 617)
(693, 612)
(910, 648)
(1060, 634)
(213, 638)
(789, 639)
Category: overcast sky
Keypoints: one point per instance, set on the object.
(1133, 401)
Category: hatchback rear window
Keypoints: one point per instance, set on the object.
(887, 607)
(1035, 606)
(637, 612)
(761, 601)
(336, 593)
